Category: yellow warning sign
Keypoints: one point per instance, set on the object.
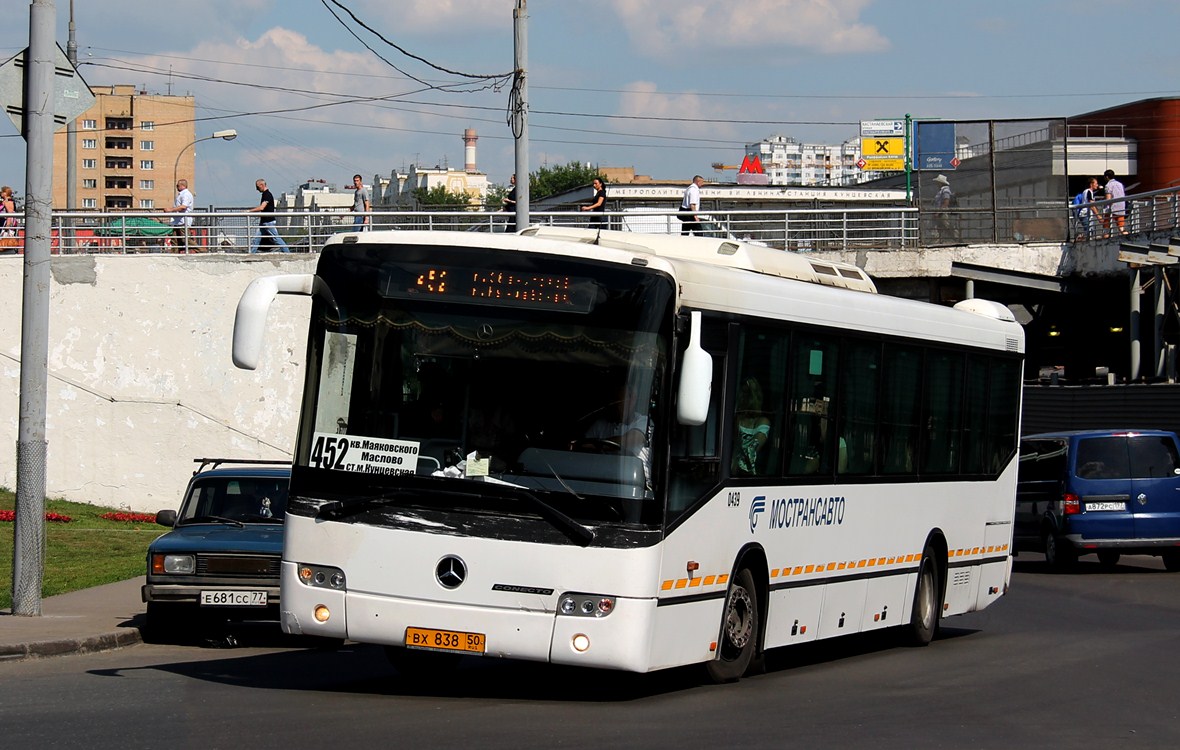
(882, 148)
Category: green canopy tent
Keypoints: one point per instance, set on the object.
(133, 226)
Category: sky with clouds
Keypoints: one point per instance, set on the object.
(320, 88)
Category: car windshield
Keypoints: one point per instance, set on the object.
(244, 499)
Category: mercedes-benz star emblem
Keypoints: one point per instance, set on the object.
(451, 572)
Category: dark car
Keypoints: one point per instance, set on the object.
(221, 560)
(1108, 492)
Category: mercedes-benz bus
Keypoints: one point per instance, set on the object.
(633, 451)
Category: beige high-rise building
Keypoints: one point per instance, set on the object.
(127, 149)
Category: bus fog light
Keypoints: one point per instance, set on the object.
(568, 607)
(580, 642)
(321, 613)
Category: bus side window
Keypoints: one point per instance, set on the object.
(757, 417)
(859, 407)
(900, 409)
(813, 388)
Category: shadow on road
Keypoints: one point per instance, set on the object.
(363, 669)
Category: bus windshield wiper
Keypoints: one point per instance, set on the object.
(343, 508)
(578, 533)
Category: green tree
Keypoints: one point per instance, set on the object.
(548, 181)
(493, 199)
(438, 198)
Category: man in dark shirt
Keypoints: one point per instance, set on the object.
(266, 220)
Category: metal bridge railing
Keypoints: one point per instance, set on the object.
(129, 232)
(793, 229)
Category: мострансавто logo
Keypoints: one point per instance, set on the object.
(792, 512)
(756, 507)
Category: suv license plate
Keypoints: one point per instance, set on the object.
(1106, 506)
(445, 640)
(233, 598)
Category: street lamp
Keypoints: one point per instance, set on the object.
(225, 135)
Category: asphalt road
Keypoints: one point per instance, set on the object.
(1088, 659)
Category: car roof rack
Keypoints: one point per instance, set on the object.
(213, 463)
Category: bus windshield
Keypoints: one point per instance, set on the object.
(540, 375)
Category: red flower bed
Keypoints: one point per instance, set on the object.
(10, 516)
(130, 517)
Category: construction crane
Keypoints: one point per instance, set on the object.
(719, 167)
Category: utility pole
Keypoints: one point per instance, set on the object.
(520, 110)
(72, 128)
(31, 448)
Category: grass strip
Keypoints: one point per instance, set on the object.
(75, 556)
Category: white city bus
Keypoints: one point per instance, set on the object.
(635, 451)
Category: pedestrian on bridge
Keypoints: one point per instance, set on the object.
(361, 204)
(266, 219)
(1088, 214)
(944, 201)
(181, 224)
(690, 223)
(597, 204)
(1116, 211)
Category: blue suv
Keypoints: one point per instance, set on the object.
(1107, 492)
(221, 560)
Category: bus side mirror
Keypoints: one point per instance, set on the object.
(250, 320)
(696, 378)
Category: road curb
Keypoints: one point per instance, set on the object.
(115, 639)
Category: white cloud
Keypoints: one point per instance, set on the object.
(395, 18)
(643, 99)
(690, 27)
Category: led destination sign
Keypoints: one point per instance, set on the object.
(465, 284)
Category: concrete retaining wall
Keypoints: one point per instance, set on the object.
(141, 382)
(140, 379)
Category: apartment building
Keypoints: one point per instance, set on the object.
(790, 162)
(128, 146)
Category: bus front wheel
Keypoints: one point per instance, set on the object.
(927, 601)
(739, 630)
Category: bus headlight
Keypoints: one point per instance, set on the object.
(585, 605)
(322, 576)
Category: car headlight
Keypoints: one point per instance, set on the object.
(174, 564)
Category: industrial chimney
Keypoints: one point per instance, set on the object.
(469, 139)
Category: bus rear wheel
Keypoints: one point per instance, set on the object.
(739, 631)
(927, 601)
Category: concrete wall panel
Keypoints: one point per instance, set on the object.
(140, 380)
